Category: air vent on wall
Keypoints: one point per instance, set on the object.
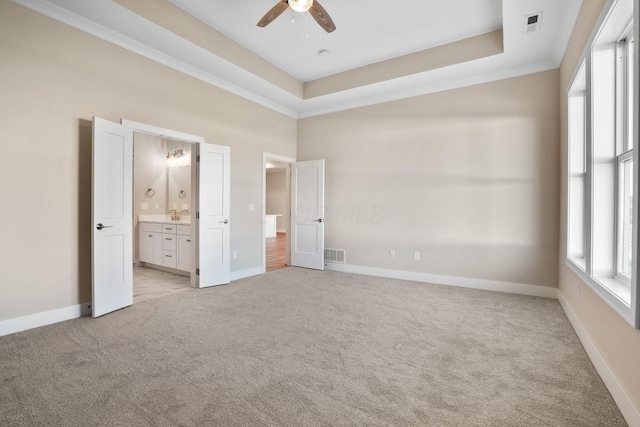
(334, 255)
(532, 22)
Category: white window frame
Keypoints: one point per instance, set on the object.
(577, 91)
(619, 291)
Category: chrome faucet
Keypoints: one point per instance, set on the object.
(174, 217)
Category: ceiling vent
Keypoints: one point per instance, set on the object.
(532, 22)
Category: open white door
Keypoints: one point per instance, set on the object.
(212, 219)
(307, 214)
(111, 214)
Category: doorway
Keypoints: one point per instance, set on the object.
(276, 211)
(112, 215)
(162, 233)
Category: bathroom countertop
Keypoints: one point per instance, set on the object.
(164, 219)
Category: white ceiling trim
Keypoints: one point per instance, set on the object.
(217, 71)
(390, 95)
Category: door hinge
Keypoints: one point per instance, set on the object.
(197, 215)
(197, 271)
(198, 158)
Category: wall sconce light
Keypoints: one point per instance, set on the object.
(177, 158)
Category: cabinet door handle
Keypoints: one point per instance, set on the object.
(168, 238)
(150, 235)
(188, 241)
(169, 256)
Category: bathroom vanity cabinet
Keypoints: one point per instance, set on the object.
(168, 245)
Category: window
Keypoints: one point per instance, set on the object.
(601, 177)
(624, 78)
(577, 170)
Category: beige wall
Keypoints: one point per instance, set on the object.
(616, 341)
(54, 79)
(276, 190)
(468, 177)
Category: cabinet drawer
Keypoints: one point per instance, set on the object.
(151, 227)
(184, 230)
(169, 228)
(169, 259)
(168, 242)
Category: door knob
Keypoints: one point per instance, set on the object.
(226, 221)
(319, 220)
(100, 226)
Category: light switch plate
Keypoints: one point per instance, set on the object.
(252, 207)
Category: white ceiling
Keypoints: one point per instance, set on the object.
(379, 30)
(367, 32)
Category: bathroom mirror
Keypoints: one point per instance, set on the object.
(162, 176)
(178, 176)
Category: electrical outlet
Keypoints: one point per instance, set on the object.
(252, 207)
(235, 254)
(392, 254)
(144, 206)
(416, 255)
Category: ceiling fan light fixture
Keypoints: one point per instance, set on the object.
(300, 5)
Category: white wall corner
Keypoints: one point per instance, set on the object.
(630, 413)
(19, 324)
(464, 282)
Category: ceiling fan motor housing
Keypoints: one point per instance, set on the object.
(300, 5)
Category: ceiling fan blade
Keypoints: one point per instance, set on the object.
(273, 13)
(322, 17)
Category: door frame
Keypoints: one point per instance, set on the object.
(185, 137)
(282, 159)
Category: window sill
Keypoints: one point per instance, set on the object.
(613, 291)
(617, 287)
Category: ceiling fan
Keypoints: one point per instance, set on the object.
(319, 14)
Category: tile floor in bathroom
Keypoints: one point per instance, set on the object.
(149, 283)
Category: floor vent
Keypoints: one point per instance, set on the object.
(334, 255)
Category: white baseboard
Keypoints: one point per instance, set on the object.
(242, 274)
(465, 282)
(626, 406)
(281, 230)
(19, 324)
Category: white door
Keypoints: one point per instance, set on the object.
(212, 219)
(307, 214)
(111, 214)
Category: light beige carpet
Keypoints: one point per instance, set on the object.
(298, 347)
